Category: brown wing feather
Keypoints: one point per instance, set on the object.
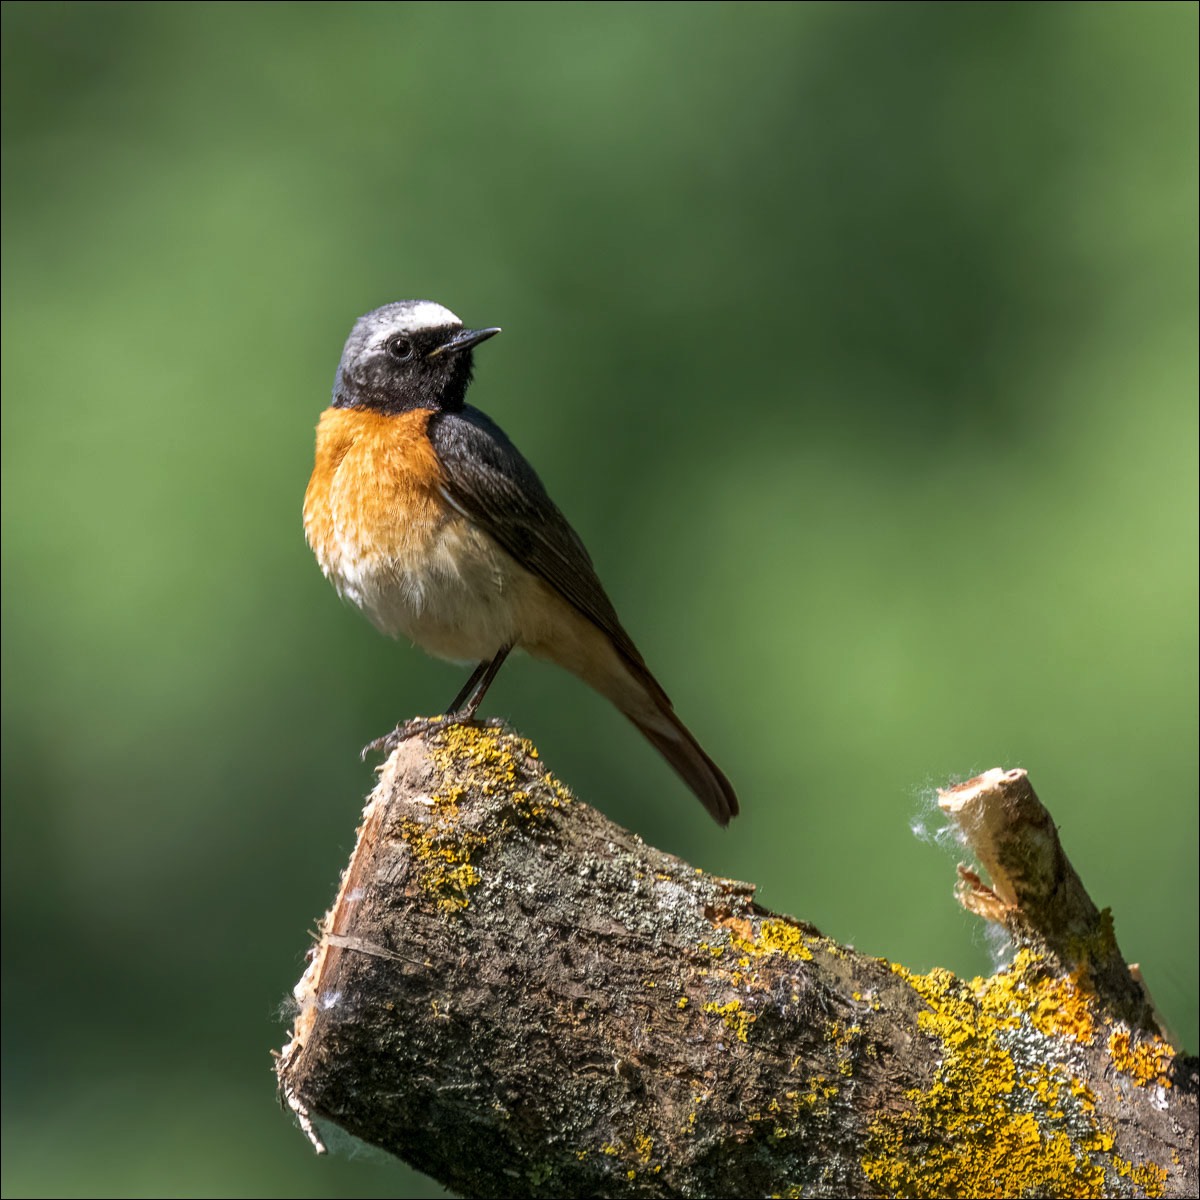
(488, 480)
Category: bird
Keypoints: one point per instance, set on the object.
(424, 515)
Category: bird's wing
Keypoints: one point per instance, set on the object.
(488, 480)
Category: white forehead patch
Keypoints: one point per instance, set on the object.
(372, 330)
(415, 315)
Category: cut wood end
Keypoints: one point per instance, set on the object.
(956, 799)
(307, 992)
(982, 811)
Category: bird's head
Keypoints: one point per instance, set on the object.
(411, 354)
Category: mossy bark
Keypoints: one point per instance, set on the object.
(520, 998)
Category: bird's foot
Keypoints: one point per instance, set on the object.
(419, 726)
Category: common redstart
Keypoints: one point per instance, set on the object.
(423, 514)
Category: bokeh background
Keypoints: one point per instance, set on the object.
(858, 341)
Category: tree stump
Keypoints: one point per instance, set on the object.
(520, 998)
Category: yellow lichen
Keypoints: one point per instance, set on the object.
(1145, 1061)
(1056, 1007)
(485, 755)
(470, 758)
(1150, 1177)
(1100, 1140)
(698, 1098)
(774, 936)
(830, 947)
(640, 1152)
(985, 1126)
(442, 851)
(845, 1040)
(491, 760)
(786, 1113)
(1083, 1094)
(734, 1016)
(817, 1096)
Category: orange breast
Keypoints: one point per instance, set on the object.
(373, 491)
(390, 543)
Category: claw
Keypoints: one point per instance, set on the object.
(419, 726)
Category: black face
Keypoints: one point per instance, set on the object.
(407, 368)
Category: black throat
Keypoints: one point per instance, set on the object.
(440, 384)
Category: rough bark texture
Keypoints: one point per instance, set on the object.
(520, 998)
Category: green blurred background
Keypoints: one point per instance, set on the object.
(859, 342)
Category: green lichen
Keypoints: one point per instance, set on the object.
(1098, 945)
(539, 1174)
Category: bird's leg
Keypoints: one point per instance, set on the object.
(461, 712)
(471, 697)
(467, 688)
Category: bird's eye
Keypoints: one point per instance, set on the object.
(401, 349)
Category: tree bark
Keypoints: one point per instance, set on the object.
(520, 998)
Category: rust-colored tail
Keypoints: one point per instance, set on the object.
(672, 739)
(618, 672)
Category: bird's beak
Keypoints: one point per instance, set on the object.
(464, 339)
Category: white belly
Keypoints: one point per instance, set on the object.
(457, 595)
